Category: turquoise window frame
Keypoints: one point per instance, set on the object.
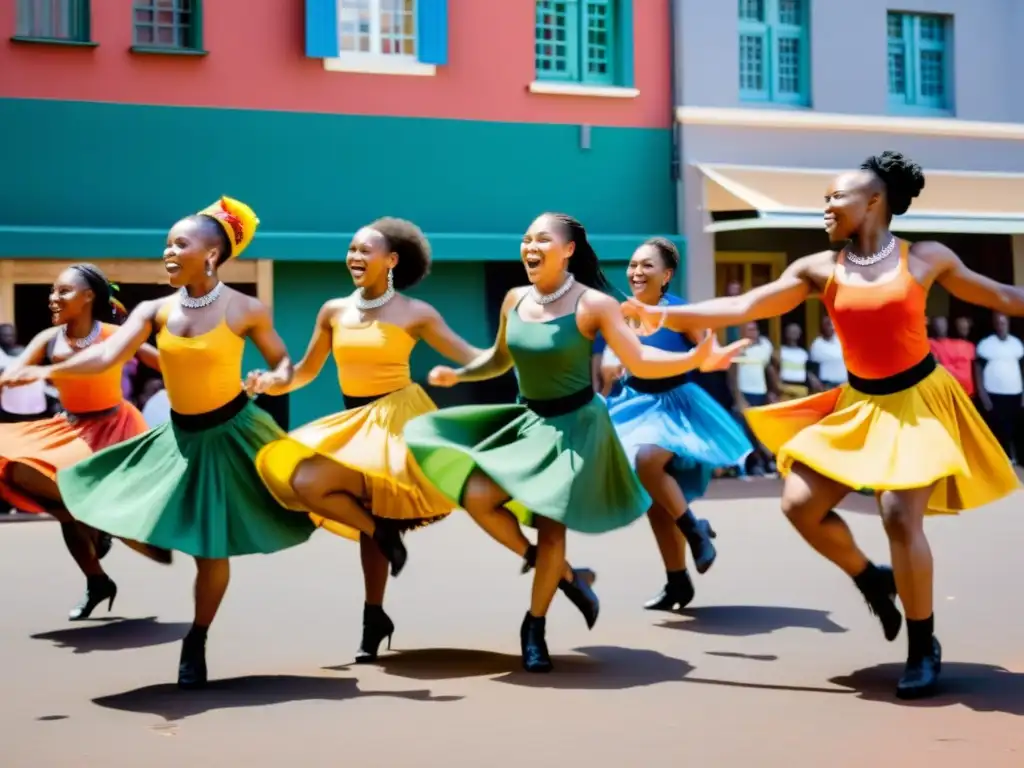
(619, 17)
(771, 32)
(912, 45)
(80, 19)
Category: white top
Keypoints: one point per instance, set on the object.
(793, 365)
(29, 400)
(750, 376)
(1001, 374)
(828, 354)
(157, 409)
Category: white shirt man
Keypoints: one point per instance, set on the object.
(827, 354)
(24, 402)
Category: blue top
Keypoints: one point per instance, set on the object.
(663, 338)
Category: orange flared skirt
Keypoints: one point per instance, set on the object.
(53, 444)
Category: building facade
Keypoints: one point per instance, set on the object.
(776, 96)
(468, 117)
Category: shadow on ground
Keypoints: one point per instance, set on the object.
(750, 620)
(170, 703)
(981, 687)
(594, 668)
(115, 634)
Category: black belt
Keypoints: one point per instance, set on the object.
(898, 382)
(74, 418)
(559, 406)
(352, 401)
(656, 386)
(200, 422)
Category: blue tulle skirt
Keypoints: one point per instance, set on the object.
(686, 421)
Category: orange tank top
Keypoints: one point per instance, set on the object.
(97, 392)
(201, 373)
(882, 327)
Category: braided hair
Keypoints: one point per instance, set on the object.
(583, 265)
(667, 252)
(105, 308)
(902, 178)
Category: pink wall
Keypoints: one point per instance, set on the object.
(257, 61)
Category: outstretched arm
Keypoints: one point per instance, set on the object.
(261, 332)
(497, 360)
(115, 350)
(149, 356)
(317, 352)
(433, 329)
(966, 284)
(31, 356)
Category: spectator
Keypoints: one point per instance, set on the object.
(791, 361)
(753, 383)
(826, 357)
(955, 355)
(156, 408)
(26, 403)
(998, 368)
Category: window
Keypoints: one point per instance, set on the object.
(918, 61)
(168, 24)
(774, 51)
(377, 27)
(58, 20)
(589, 42)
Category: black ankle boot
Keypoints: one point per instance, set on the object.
(529, 559)
(878, 585)
(534, 646)
(676, 595)
(699, 535)
(192, 662)
(580, 592)
(376, 626)
(924, 661)
(97, 589)
(389, 539)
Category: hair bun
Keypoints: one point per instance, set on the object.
(903, 178)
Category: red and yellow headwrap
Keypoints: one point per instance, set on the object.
(239, 222)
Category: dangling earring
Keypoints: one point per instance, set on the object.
(391, 279)
(209, 271)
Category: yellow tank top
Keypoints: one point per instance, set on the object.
(373, 359)
(202, 373)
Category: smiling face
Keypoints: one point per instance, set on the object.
(648, 274)
(191, 251)
(8, 336)
(369, 258)
(545, 250)
(849, 201)
(70, 297)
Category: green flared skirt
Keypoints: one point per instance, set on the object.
(196, 492)
(569, 468)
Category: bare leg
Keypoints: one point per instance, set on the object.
(550, 565)
(668, 537)
(903, 517)
(375, 570)
(212, 577)
(808, 501)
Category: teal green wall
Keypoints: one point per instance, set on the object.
(457, 290)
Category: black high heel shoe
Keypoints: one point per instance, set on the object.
(676, 595)
(192, 662)
(579, 590)
(389, 540)
(699, 537)
(376, 626)
(534, 645)
(98, 589)
(921, 676)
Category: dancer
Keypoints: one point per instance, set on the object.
(901, 425)
(95, 415)
(352, 468)
(190, 484)
(673, 432)
(553, 460)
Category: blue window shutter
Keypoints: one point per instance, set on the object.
(322, 29)
(432, 31)
(625, 42)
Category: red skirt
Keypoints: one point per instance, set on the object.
(53, 444)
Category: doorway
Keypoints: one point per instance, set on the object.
(750, 270)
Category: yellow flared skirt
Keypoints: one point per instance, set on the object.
(369, 441)
(930, 433)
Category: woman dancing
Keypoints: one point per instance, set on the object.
(190, 483)
(552, 461)
(95, 415)
(901, 425)
(673, 432)
(350, 470)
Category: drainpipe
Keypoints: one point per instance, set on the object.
(675, 97)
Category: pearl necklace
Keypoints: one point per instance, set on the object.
(867, 261)
(83, 342)
(189, 302)
(364, 303)
(547, 298)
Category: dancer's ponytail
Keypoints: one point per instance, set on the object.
(583, 264)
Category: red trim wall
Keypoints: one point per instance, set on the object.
(257, 61)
